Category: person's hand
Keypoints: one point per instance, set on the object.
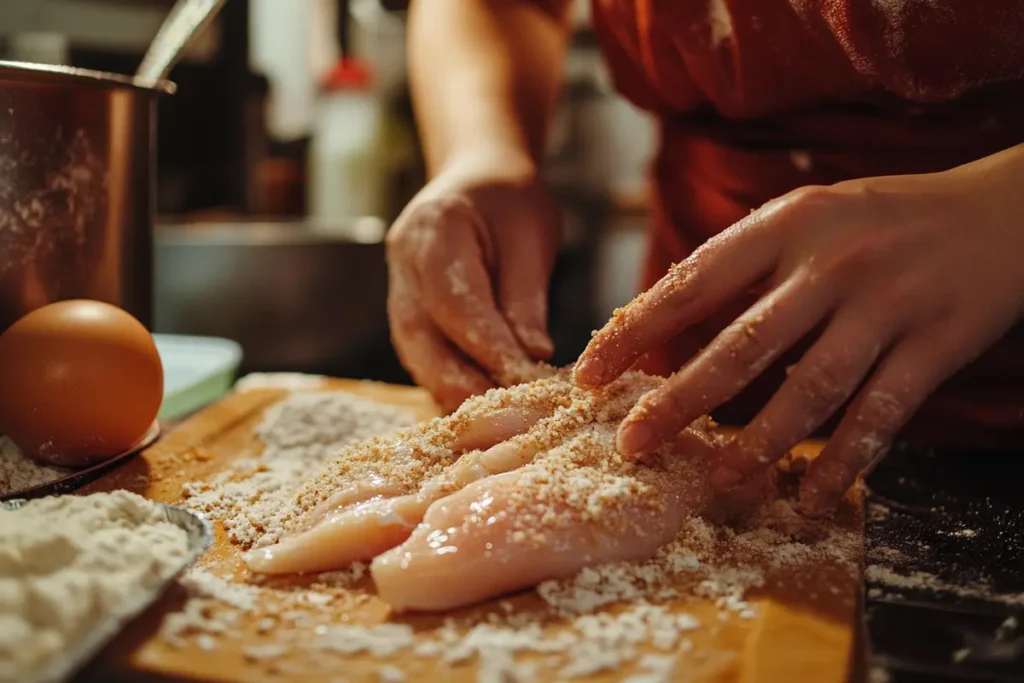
(469, 264)
(910, 277)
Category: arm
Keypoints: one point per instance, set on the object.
(485, 75)
(470, 257)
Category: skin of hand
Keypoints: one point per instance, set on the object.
(470, 257)
(911, 278)
(469, 265)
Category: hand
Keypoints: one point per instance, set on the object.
(470, 260)
(910, 277)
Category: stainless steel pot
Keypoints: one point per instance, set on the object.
(77, 167)
(300, 296)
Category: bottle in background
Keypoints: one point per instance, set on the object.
(347, 172)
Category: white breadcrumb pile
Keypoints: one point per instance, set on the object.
(638, 619)
(300, 434)
(69, 563)
(18, 472)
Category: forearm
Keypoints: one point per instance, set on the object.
(485, 75)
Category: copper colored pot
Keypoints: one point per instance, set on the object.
(77, 166)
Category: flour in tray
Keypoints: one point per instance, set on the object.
(68, 563)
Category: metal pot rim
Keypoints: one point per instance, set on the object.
(364, 230)
(27, 71)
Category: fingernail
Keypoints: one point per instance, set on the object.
(537, 342)
(588, 372)
(724, 478)
(635, 437)
(543, 346)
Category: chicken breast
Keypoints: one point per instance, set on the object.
(576, 506)
(373, 495)
(538, 491)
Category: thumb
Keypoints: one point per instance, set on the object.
(526, 259)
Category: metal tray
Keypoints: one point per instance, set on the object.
(200, 537)
(79, 478)
(954, 514)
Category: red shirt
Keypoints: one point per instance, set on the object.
(759, 97)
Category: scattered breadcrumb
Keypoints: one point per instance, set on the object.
(299, 434)
(607, 616)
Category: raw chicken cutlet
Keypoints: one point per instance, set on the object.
(518, 486)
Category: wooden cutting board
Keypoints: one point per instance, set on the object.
(803, 631)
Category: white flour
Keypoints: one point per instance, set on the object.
(19, 472)
(67, 563)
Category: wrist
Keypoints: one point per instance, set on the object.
(507, 161)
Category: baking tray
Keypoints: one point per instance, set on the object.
(200, 537)
(78, 478)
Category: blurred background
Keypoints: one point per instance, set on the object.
(289, 148)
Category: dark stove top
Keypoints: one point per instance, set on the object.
(944, 575)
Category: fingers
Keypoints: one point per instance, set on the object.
(527, 257)
(524, 299)
(733, 359)
(715, 274)
(426, 353)
(455, 288)
(816, 387)
(904, 380)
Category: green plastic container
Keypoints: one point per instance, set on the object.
(197, 372)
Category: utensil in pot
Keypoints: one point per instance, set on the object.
(187, 19)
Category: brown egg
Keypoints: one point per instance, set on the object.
(80, 381)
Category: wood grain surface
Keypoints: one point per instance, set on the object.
(803, 630)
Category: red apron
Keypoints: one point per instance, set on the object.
(759, 97)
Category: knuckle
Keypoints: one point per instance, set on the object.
(420, 221)
(685, 282)
(403, 339)
(402, 312)
(851, 257)
(661, 405)
(822, 385)
(883, 412)
(394, 236)
(902, 293)
(808, 200)
(746, 349)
